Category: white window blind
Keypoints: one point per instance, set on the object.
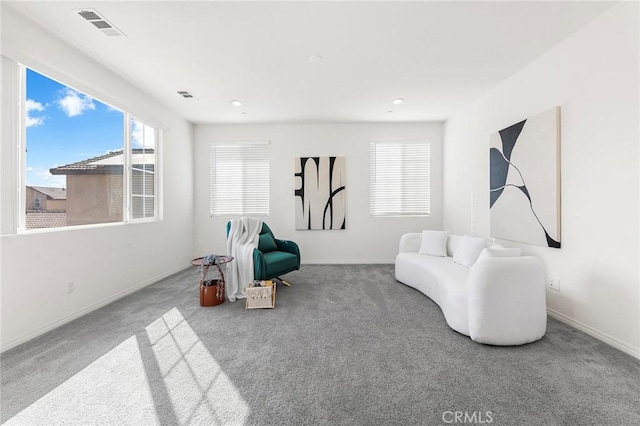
(143, 177)
(239, 180)
(400, 179)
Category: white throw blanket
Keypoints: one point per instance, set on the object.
(242, 239)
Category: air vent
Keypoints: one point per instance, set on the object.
(100, 22)
(185, 94)
(89, 15)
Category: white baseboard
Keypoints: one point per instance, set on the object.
(610, 340)
(68, 318)
(349, 262)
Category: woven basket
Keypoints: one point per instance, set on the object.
(261, 297)
(211, 292)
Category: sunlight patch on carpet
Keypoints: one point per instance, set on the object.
(111, 390)
(200, 392)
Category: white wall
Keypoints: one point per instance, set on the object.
(366, 239)
(105, 262)
(594, 76)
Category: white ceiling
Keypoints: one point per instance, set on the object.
(438, 56)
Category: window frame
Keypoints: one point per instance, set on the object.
(130, 168)
(373, 155)
(21, 133)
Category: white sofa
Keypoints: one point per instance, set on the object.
(497, 301)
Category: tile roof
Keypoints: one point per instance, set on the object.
(51, 192)
(45, 219)
(107, 163)
(88, 164)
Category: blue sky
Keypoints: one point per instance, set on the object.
(65, 126)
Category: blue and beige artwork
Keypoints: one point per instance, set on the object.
(320, 193)
(524, 193)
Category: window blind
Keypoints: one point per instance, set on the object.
(239, 180)
(400, 179)
(143, 161)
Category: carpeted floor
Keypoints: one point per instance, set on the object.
(346, 344)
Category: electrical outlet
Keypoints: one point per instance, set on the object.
(553, 283)
(71, 287)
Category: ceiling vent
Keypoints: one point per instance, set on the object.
(100, 23)
(185, 94)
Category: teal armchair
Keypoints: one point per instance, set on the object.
(273, 257)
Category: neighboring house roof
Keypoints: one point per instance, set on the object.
(45, 219)
(50, 192)
(110, 163)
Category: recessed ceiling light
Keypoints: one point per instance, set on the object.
(236, 102)
(397, 101)
(315, 59)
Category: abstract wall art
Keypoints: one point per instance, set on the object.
(320, 193)
(524, 193)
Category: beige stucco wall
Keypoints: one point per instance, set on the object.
(45, 203)
(31, 197)
(94, 199)
(56, 204)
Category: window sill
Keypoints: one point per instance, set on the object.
(82, 227)
(400, 215)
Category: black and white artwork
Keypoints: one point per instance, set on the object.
(524, 191)
(320, 193)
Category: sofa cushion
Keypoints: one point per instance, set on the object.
(468, 250)
(494, 251)
(434, 243)
(452, 243)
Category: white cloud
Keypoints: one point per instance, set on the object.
(74, 103)
(143, 136)
(137, 133)
(39, 176)
(34, 121)
(34, 106)
(30, 107)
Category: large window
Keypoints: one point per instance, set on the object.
(85, 162)
(400, 179)
(239, 182)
